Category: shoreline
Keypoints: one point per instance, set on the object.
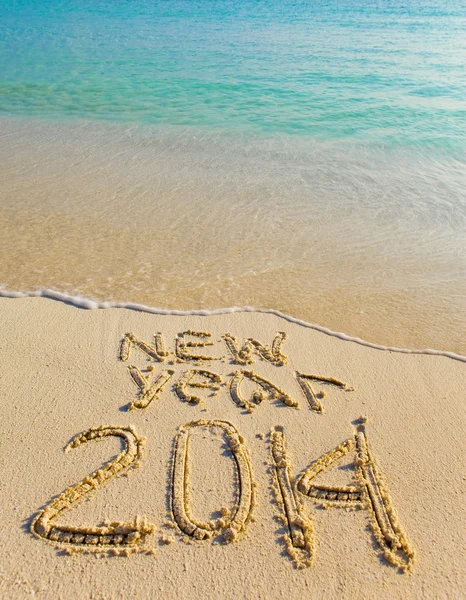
(232, 300)
(88, 304)
(285, 402)
(188, 219)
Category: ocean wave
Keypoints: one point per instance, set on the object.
(88, 304)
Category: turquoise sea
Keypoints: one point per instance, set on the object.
(384, 71)
(304, 155)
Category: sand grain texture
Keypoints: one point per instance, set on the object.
(61, 374)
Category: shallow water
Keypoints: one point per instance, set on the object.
(369, 243)
(308, 157)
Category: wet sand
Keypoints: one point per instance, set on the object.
(359, 240)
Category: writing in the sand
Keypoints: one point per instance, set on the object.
(193, 347)
(294, 494)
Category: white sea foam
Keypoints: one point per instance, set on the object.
(88, 304)
(360, 238)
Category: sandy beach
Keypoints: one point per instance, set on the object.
(232, 300)
(295, 464)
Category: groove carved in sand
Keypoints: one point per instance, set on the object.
(244, 355)
(267, 390)
(313, 398)
(156, 352)
(124, 536)
(368, 492)
(148, 391)
(184, 346)
(300, 539)
(209, 380)
(237, 520)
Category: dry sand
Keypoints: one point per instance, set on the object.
(61, 374)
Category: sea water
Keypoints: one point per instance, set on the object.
(307, 156)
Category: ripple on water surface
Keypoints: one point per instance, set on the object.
(355, 238)
(377, 71)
